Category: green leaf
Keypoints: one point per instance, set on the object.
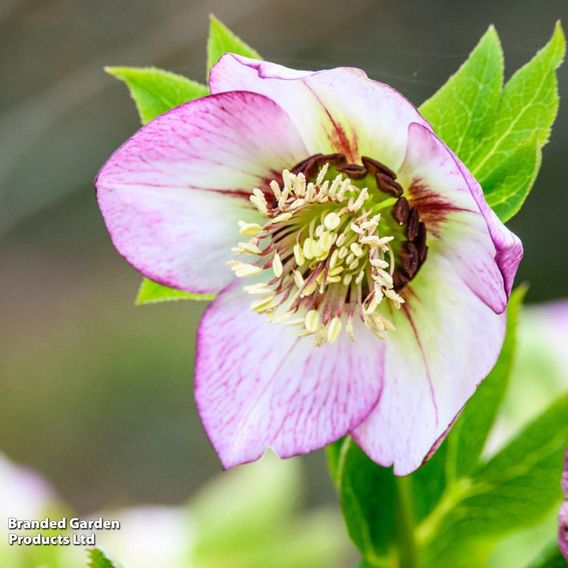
(514, 489)
(222, 40)
(333, 455)
(528, 107)
(156, 91)
(367, 494)
(551, 557)
(510, 183)
(499, 132)
(151, 292)
(376, 506)
(373, 500)
(98, 559)
(265, 495)
(462, 110)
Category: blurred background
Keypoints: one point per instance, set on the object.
(95, 393)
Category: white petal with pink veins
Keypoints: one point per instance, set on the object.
(449, 203)
(260, 385)
(445, 343)
(563, 517)
(338, 110)
(171, 196)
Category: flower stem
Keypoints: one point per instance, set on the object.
(406, 542)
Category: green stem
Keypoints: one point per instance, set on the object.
(406, 542)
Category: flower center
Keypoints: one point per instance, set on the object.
(340, 241)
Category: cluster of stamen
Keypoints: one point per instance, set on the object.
(327, 252)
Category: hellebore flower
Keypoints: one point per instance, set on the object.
(371, 275)
(563, 519)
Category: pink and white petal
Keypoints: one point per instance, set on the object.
(260, 385)
(509, 246)
(337, 110)
(172, 194)
(563, 517)
(445, 343)
(459, 223)
(563, 530)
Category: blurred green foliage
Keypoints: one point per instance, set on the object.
(246, 518)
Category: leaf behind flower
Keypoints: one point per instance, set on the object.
(497, 131)
(156, 91)
(222, 40)
(98, 559)
(151, 292)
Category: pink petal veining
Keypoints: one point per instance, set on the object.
(171, 196)
(447, 198)
(446, 342)
(259, 385)
(336, 110)
(563, 517)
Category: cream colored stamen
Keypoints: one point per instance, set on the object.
(338, 266)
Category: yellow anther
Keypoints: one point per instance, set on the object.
(278, 317)
(310, 288)
(322, 173)
(354, 264)
(282, 217)
(327, 240)
(260, 288)
(308, 248)
(392, 295)
(320, 250)
(385, 278)
(311, 192)
(311, 321)
(384, 240)
(357, 250)
(259, 201)
(349, 329)
(249, 247)
(249, 229)
(332, 221)
(372, 240)
(361, 198)
(299, 255)
(337, 244)
(242, 270)
(275, 189)
(277, 265)
(372, 306)
(334, 329)
(356, 229)
(263, 304)
(300, 186)
(333, 259)
(379, 263)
